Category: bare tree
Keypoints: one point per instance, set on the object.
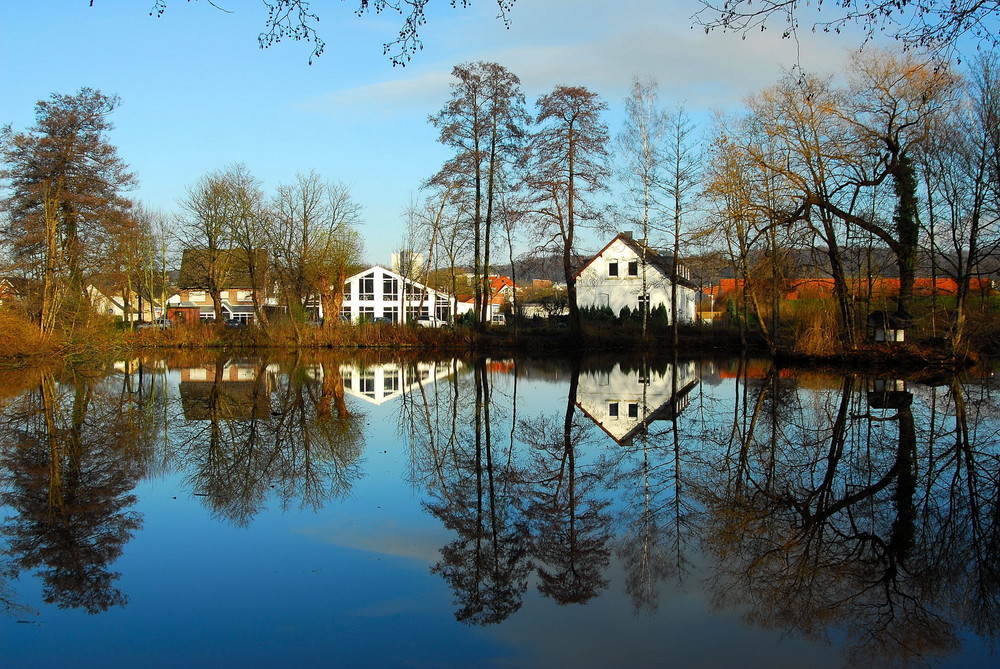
(641, 148)
(314, 239)
(569, 159)
(484, 122)
(936, 24)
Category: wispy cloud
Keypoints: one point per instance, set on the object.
(385, 99)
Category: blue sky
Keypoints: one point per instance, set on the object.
(198, 94)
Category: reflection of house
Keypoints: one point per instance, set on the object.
(625, 402)
(378, 292)
(614, 278)
(232, 392)
(378, 384)
(232, 271)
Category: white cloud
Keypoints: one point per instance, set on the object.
(385, 99)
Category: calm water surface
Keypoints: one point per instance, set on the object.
(328, 511)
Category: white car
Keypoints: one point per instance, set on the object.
(430, 321)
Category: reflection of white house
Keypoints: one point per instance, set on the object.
(378, 292)
(624, 403)
(614, 278)
(378, 384)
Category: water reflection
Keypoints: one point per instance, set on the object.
(854, 508)
(67, 450)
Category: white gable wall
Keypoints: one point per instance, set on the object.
(378, 292)
(606, 281)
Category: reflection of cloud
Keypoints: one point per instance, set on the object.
(388, 538)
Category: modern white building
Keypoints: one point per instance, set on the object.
(378, 292)
(614, 278)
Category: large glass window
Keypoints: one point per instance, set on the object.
(390, 289)
(366, 287)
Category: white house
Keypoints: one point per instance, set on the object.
(614, 278)
(141, 307)
(378, 292)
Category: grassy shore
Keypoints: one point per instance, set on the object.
(22, 344)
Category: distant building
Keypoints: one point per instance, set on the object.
(614, 278)
(140, 307)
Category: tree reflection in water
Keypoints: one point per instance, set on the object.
(826, 506)
(69, 472)
(253, 433)
(571, 528)
(827, 515)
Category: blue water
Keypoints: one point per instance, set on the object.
(350, 579)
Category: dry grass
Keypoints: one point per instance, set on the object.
(287, 335)
(813, 329)
(21, 339)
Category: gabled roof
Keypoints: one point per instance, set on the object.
(661, 262)
(395, 275)
(233, 263)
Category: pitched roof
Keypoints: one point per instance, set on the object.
(232, 263)
(664, 262)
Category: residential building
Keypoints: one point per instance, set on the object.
(630, 273)
(193, 299)
(141, 306)
(378, 292)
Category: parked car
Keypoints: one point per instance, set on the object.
(427, 321)
(234, 323)
(499, 319)
(382, 319)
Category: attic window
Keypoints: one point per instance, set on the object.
(633, 268)
(613, 268)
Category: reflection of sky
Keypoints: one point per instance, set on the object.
(350, 585)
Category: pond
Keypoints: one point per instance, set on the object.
(321, 510)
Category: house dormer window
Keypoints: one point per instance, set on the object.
(633, 268)
(613, 268)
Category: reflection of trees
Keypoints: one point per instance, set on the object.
(472, 494)
(830, 515)
(303, 446)
(69, 472)
(656, 516)
(570, 525)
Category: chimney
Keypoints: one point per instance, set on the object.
(627, 235)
